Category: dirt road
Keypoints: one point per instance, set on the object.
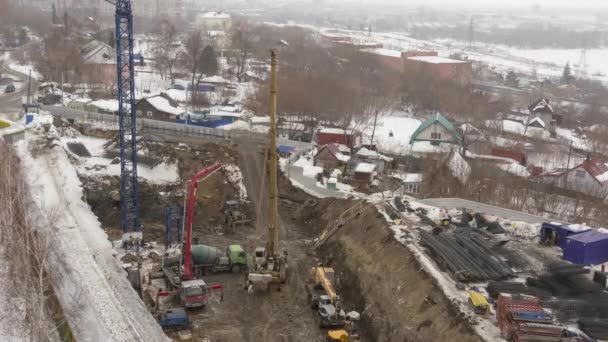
(279, 315)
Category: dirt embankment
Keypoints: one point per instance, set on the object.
(382, 279)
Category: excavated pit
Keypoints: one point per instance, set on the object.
(381, 279)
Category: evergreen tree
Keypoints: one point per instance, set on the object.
(54, 18)
(511, 79)
(567, 74)
(208, 60)
(111, 39)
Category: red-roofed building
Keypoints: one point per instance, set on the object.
(518, 157)
(590, 177)
(337, 136)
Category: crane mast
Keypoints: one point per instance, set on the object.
(273, 204)
(127, 121)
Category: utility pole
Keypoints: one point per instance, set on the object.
(371, 143)
(568, 163)
(471, 32)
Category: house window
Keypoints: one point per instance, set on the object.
(413, 188)
(580, 173)
(138, 112)
(435, 136)
(149, 113)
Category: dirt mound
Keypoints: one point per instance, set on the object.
(79, 149)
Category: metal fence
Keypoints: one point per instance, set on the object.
(177, 129)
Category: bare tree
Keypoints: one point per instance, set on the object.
(241, 41)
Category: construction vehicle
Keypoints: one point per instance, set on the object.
(324, 299)
(269, 265)
(193, 293)
(337, 336)
(207, 259)
(233, 214)
(174, 319)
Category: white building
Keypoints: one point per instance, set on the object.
(590, 177)
(214, 21)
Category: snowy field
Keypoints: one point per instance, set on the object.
(548, 62)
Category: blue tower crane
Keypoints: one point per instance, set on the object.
(127, 121)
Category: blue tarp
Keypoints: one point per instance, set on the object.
(588, 248)
(209, 122)
(285, 149)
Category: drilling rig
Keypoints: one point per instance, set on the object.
(270, 266)
(127, 122)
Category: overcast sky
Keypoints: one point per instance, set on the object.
(579, 4)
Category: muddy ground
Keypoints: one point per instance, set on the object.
(377, 276)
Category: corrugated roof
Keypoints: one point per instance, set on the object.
(589, 237)
(519, 157)
(595, 168)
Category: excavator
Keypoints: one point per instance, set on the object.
(269, 266)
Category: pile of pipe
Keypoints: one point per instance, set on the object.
(466, 255)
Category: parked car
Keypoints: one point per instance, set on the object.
(9, 88)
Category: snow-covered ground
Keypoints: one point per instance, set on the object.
(393, 133)
(25, 70)
(98, 165)
(95, 295)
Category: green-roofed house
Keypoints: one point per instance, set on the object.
(437, 129)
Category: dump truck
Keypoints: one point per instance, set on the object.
(211, 259)
(233, 214)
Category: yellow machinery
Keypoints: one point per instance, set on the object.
(479, 302)
(337, 336)
(269, 265)
(324, 276)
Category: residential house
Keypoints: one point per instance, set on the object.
(103, 106)
(437, 129)
(516, 156)
(346, 137)
(382, 162)
(158, 107)
(590, 177)
(542, 115)
(329, 158)
(411, 183)
(99, 62)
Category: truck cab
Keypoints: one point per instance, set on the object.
(328, 315)
(193, 293)
(237, 257)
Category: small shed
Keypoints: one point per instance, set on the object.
(556, 234)
(364, 173)
(516, 156)
(588, 248)
(412, 182)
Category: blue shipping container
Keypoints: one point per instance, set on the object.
(561, 233)
(588, 248)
